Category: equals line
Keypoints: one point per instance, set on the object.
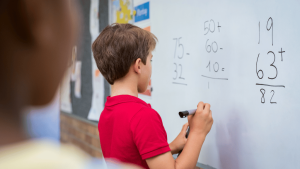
(215, 78)
(188, 53)
(221, 48)
(270, 85)
(179, 83)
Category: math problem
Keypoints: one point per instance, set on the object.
(273, 64)
(212, 46)
(242, 58)
(179, 54)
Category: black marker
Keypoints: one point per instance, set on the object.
(185, 113)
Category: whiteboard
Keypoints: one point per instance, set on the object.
(242, 57)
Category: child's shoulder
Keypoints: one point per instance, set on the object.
(129, 106)
(147, 113)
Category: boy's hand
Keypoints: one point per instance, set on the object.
(178, 143)
(201, 122)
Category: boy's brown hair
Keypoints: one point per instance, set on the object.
(118, 47)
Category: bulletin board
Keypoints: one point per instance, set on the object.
(78, 86)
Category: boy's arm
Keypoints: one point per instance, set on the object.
(200, 125)
(187, 159)
(178, 143)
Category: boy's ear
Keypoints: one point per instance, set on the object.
(137, 66)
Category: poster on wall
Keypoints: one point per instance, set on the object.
(65, 92)
(121, 11)
(77, 88)
(142, 12)
(97, 78)
(72, 74)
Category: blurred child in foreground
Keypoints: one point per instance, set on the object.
(36, 40)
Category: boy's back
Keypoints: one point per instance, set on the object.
(131, 131)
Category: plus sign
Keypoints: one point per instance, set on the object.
(281, 54)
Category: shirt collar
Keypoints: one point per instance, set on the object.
(111, 101)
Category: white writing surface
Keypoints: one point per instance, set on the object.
(243, 58)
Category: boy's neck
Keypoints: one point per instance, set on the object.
(125, 86)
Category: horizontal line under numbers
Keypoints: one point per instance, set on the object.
(270, 85)
(180, 83)
(217, 78)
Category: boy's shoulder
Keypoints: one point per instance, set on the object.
(146, 113)
(132, 112)
(132, 106)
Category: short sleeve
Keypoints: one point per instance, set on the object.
(149, 134)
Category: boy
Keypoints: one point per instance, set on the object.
(130, 130)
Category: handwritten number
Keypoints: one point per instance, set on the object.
(206, 28)
(180, 77)
(271, 27)
(175, 47)
(257, 72)
(273, 65)
(180, 45)
(215, 66)
(262, 73)
(272, 98)
(212, 46)
(209, 27)
(263, 95)
(207, 47)
(216, 70)
(208, 65)
(214, 26)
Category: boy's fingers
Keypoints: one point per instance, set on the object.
(186, 124)
(200, 107)
(207, 106)
(189, 117)
(184, 127)
(201, 104)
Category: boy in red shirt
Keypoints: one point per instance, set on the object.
(130, 130)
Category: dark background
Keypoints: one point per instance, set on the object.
(81, 106)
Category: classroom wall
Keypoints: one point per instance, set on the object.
(75, 128)
(81, 105)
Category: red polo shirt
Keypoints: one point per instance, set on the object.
(131, 131)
